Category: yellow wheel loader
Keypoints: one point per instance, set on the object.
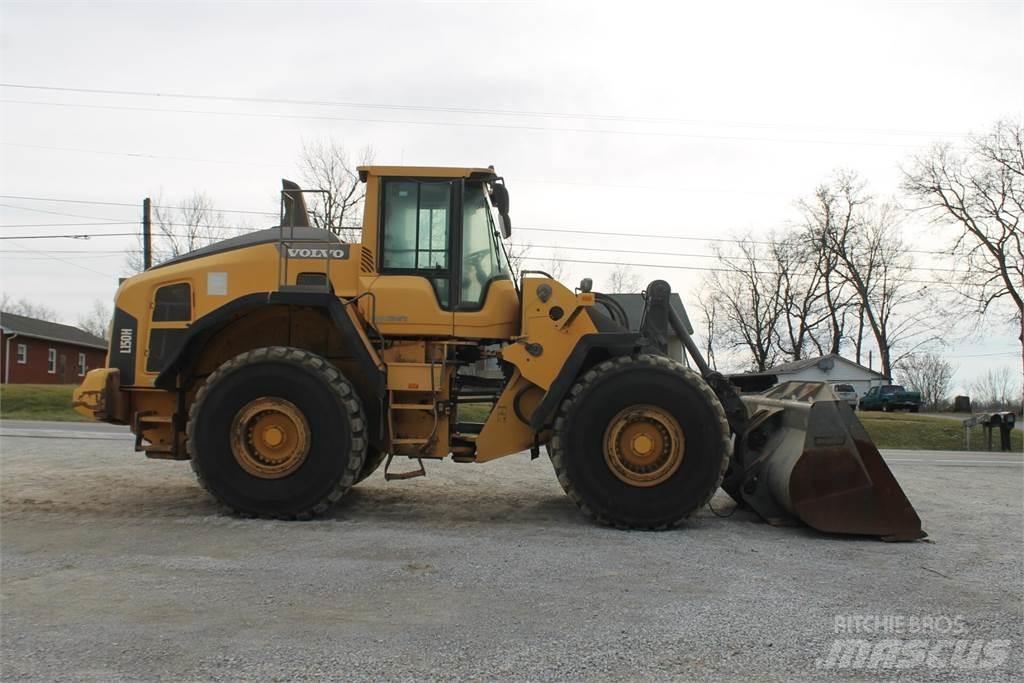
(288, 365)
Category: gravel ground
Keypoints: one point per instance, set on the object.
(119, 568)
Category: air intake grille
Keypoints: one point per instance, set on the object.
(366, 261)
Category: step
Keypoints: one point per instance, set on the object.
(164, 455)
(409, 442)
(156, 419)
(429, 407)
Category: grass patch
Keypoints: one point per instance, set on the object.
(923, 432)
(38, 402)
(474, 412)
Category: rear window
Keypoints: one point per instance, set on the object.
(843, 387)
(892, 389)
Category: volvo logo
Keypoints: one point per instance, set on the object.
(313, 252)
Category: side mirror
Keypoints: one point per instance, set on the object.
(499, 197)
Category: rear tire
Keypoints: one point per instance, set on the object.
(640, 391)
(277, 432)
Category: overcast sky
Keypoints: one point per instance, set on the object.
(680, 119)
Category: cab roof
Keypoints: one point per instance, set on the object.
(427, 172)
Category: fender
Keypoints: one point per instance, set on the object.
(185, 356)
(589, 349)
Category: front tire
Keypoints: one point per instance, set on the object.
(374, 458)
(277, 432)
(641, 442)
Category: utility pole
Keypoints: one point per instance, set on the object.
(147, 236)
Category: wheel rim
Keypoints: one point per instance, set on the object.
(644, 445)
(270, 437)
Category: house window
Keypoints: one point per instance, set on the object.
(81, 364)
(51, 361)
(22, 353)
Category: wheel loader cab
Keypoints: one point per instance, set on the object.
(440, 269)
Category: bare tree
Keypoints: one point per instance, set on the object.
(518, 254)
(802, 295)
(328, 165)
(868, 271)
(981, 193)
(556, 266)
(833, 207)
(929, 374)
(747, 303)
(709, 306)
(97, 321)
(26, 308)
(994, 390)
(623, 280)
(181, 227)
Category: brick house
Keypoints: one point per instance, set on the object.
(40, 352)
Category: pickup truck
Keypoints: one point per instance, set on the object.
(892, 397)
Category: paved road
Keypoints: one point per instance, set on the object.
(120, 568)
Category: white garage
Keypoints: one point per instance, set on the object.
(832, 368)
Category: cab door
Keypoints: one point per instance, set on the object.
(487, 302)
(412, 296)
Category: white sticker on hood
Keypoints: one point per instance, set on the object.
(216, 284)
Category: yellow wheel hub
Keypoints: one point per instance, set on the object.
(644, 445)
(270, 437)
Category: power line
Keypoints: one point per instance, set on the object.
(62, 260)
(686, 254)
(530, 258)
(574, 231)
(139, 155)
(18, 207)
(733, 240)
(66, 201)
(549, 246)
(471, 110)
(73, 236)
(65, 225)
(135, 206)
(90, 252)
(49, 251)
(986, 355)
(275, 214)
(559, 247)
(693, 268)
(461, 124)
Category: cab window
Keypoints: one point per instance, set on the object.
(482, 257)
(417, 220)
